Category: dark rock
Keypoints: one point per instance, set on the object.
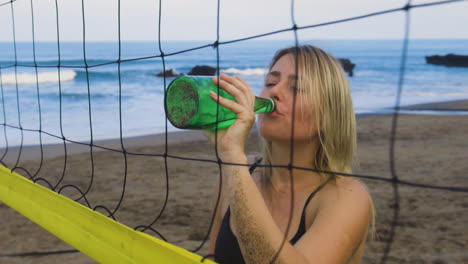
(203, 70)
(168, 73)
(348, 66)
(451, 60)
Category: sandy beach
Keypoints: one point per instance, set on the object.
(429, 149)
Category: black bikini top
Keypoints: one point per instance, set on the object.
(227, 248)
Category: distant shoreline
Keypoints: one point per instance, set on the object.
(461, 104)
(51, 150)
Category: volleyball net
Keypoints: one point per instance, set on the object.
(67, 209)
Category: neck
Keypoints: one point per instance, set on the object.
(303, 156)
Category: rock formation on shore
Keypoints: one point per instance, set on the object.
(168, 73)
(204, 70)
(198, 70)
(451, 60)
(348, 66)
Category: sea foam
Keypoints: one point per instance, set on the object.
(42, 77)
(246, 72)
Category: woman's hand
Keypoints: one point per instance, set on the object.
(231, 142)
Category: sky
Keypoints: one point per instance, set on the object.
(197, 20)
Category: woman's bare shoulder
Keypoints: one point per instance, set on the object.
(341, 222)
(346, 191)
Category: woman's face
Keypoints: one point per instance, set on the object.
(280, 85)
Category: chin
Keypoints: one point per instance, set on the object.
(272, 132)
(264, 130)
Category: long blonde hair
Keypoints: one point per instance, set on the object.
(324, 86)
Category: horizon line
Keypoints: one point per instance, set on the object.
(207, 40)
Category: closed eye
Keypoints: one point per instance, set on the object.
(295, 89)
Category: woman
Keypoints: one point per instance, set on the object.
(331, 214)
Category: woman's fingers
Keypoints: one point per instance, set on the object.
(242, 81)
(234, 138)
(229, 104)
(230, 89)
(236, 81)
(236, 87)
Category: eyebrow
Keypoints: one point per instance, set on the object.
(274, 73)
(278, 74)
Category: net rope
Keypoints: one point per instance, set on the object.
(92, 145)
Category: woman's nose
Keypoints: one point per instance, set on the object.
(275, 92)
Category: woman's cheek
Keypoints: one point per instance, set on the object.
(264, 93)
(260, 119)
(262, 125)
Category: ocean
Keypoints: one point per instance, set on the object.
(65, 107)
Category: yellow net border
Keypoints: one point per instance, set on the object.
(90, 232)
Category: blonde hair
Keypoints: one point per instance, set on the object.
(322, 83)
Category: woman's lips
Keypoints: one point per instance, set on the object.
(275, 113)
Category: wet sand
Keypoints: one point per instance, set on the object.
(429, 149)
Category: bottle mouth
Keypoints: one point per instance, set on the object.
(273, 103)
(181, 102)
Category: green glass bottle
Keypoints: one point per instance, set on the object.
(188, 104)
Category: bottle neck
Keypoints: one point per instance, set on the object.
(264, 105)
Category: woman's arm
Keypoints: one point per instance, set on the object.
(258, 235)
(218, 217)
(221, 209)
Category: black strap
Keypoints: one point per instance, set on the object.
(257, 162)
(313, 194)
(302, 225)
